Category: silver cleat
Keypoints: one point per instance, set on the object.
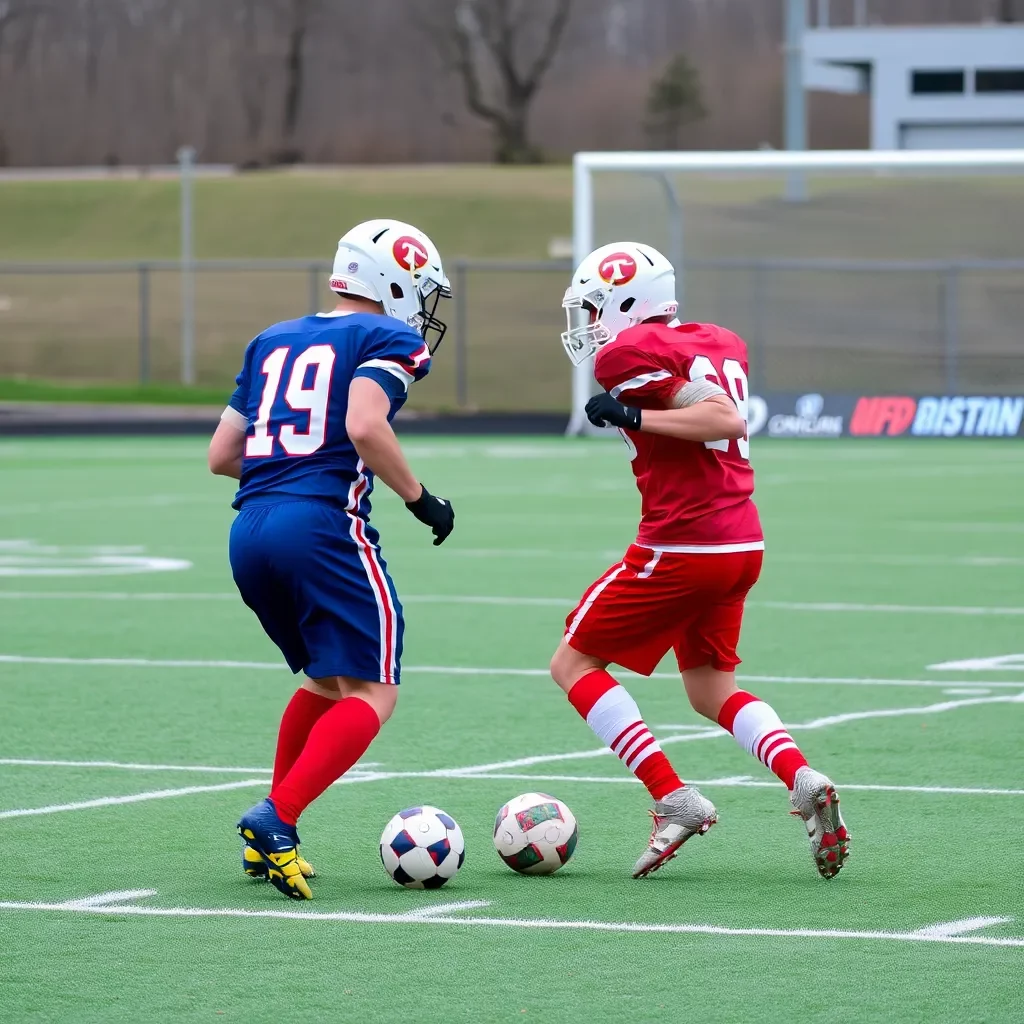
(814, 799)
(682, 814)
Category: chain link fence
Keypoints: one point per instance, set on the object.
(820, 325)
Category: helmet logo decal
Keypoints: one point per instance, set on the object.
(617, 268)
(409, 253)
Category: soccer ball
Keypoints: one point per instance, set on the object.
(535, 834)
(422, 847)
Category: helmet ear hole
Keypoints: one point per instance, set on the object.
(396, 291)
(627, 304)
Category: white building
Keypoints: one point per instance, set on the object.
(946, 87)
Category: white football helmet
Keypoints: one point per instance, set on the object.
(615, 287)
(398, 266)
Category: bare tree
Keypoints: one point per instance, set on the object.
(501, 50)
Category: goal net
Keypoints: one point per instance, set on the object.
(849, 274)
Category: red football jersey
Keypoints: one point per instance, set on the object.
(695, 495)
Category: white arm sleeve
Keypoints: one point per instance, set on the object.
(235, 418)
(695, 391)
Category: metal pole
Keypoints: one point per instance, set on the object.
(675, 235)
(461, 337)
(143, 323)
(795, 97)
(758, 294)
(860, 12)
(186, 159)
(314, 288)
(582, 244)
(950, 292)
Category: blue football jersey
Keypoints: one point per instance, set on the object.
(293, 390)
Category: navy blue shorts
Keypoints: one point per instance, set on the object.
(314, 576)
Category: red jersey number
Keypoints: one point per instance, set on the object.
(734, 380)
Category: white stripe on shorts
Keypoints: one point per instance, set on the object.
(594, 595)
(705, 549)
(386, 616)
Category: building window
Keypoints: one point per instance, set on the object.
(999, 80)
(929, 82)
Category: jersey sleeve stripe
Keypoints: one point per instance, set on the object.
(638, 382)
(389, 366)
(235, 418)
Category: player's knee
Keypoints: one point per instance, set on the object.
(568, 665)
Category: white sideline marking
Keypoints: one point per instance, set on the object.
(1000, 663)
(32, 762)
(465, 670)
(106, 899)
(83, 907)
(714, 732)
(134, 798)
(967, 691)
(969, 924)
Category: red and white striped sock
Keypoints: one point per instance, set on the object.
(759, 731)
(613, 715)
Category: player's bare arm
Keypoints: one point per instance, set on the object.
(369, 430)
(226, 445)
(710, 417)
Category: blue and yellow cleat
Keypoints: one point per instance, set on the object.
(277, 844)
(254, 867)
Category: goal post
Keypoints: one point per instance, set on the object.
(823, 275)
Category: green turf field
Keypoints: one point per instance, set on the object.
(139, 702)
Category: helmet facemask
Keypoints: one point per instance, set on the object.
(587, 331)
(431, 328)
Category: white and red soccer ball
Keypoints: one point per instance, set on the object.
(422, 848)
(535, 834)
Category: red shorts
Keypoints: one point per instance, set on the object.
(653, 602)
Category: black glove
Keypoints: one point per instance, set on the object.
(437, 513)
(605, 411)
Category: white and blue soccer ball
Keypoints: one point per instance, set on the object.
(535, 834)
(422, 848)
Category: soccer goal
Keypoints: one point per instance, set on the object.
(863, 272)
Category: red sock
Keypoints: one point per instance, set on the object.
(335, 743)
(614, 716)
(758, 729)
(302, 713)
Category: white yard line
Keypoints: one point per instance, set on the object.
(503, 601)
(745, 782)
(134, 798)
(442, 909)
(714, 732)
(969, 924)
(107, 899)
(136, 766)
(425, 917)
(465, 670)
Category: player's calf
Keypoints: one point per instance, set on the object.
(604, 704)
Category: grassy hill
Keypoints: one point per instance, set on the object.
(468, 210)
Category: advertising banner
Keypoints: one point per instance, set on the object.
(813, 415)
